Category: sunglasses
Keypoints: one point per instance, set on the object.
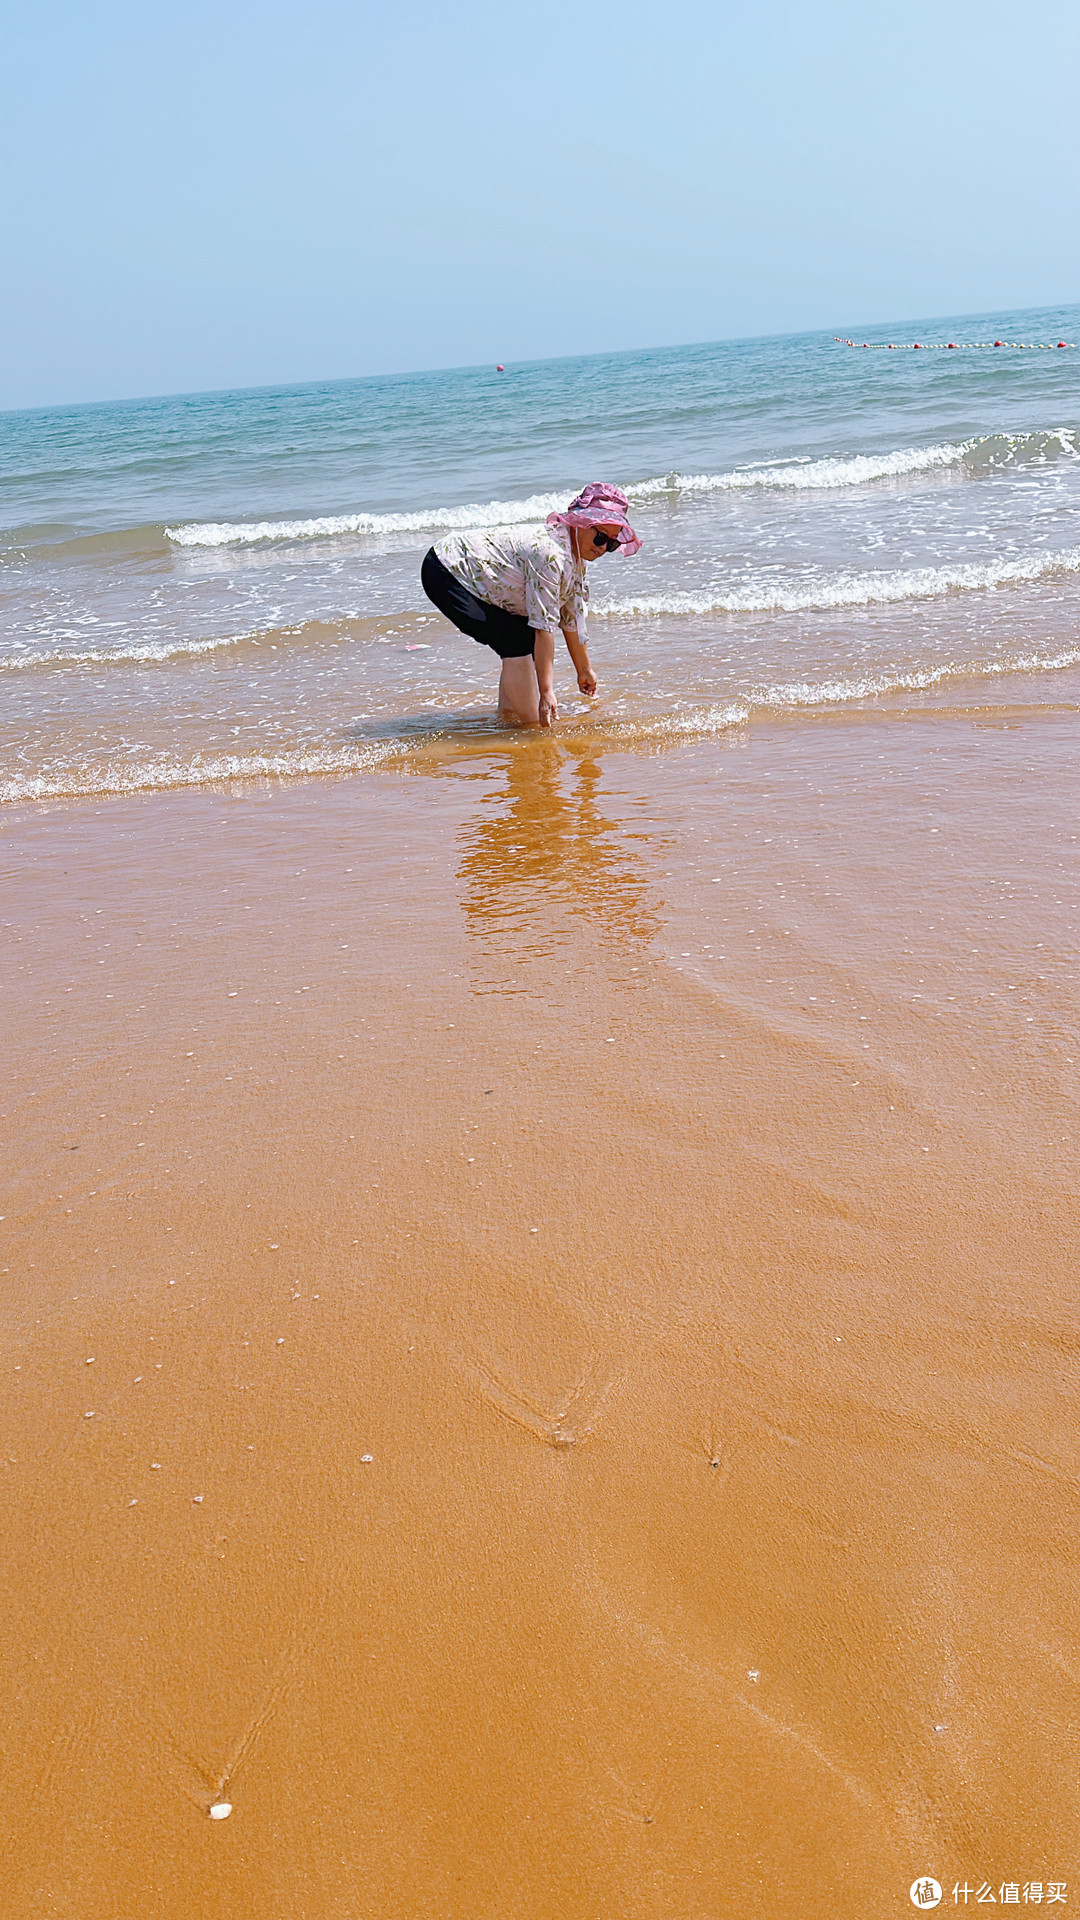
(603, 540)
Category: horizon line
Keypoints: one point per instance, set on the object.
(478, 366)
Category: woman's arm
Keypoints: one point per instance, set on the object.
(586, 678)
(544, 659)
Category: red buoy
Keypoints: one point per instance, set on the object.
(952, 343)
(1063, 343)
(997, 343)
(500, 369)
(915, 343)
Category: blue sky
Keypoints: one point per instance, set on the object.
(238, 194)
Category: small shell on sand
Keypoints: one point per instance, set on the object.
(221, 1810)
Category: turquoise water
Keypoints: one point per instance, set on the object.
(216, 586)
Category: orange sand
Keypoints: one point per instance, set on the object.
(664, 1169)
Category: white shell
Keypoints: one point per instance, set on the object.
(221, 1810)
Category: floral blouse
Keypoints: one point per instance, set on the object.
(528, 570)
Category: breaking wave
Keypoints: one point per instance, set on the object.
(846, 589)
(798, 475)
(859, 469)
(831, 693)
(143, 653)
(219, 769)
(494, 513)
(345, 627)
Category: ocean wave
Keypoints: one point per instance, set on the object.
(846, 589)
(219, 769)
(976, 456)
(345, 627)
(60, 541)
(707, 720)
(1021, 449)
(141, 653)
(768, 701)
(699, 724)
(830, 693)
(796, 474)
(492, 513)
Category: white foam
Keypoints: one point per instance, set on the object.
(145, 653)
(828, 693)
(702, 722)
(491, 513)
(707, 720)
(845, 470)
(802, 694)
(846, 589)
(859, 469)
(794, 474)
(164, 776)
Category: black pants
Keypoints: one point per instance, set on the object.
(507, 634)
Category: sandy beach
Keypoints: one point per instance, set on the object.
(539, 1348)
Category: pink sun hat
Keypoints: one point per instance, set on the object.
(599, 505)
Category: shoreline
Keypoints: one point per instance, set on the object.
(1000, 692)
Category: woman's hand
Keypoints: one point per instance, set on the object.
(544, 662)
(586, 678)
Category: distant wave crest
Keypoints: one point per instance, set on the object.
(494, 513)
(859, 469)
(798, 476)
(794, 475)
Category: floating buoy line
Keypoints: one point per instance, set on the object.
(953, 346)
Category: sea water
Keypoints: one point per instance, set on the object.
(214, 587)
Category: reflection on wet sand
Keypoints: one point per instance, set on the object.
(541, 848)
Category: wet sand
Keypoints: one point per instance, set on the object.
(539, 1342)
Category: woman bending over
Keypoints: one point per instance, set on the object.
(510, 587)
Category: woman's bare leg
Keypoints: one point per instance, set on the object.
(519, 695)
